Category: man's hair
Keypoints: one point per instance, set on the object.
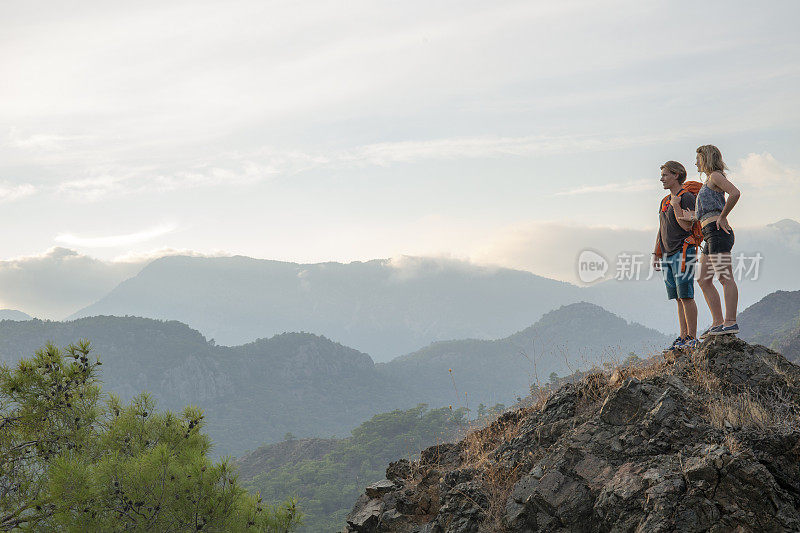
(711, 159)
(675, 168)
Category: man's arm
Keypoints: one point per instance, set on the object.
(657, 251)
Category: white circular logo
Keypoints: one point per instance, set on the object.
(591, 266)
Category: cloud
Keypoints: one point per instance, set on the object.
(762, 171)
(112, 241)
(406, 267)
(9, 193)
(146, 257)
(265, 163)
(226, 170)
(59, 282)
(630, 186)
(46, 142)
(551, 249)
(492, 146)
(93, 188)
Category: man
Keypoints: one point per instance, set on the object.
(675, 225)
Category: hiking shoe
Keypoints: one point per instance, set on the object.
(677, 344)
(691, 343)
(709, 331)
(726, 330)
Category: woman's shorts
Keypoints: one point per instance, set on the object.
(716, 240)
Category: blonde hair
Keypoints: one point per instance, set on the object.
(675, 168)
(711, 159)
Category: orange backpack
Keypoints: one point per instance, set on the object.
(696, 238)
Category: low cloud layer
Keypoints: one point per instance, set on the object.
(551, 249)
(58, 282)
(61, 281)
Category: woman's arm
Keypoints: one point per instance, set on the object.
(720, 181)
(685, 217)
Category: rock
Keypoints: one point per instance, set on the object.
(378, 489)
(398, 470)
(618, 454)
(365, 516)
(623, 405)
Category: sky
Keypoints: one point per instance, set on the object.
(329, 131)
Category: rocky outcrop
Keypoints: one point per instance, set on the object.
(702, 441)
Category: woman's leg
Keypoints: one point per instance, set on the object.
(724, 269)
(705, 279)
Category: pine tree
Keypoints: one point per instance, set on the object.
(69, 463)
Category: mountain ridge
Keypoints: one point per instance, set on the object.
(572, 336)
(237, 299)
(13, 314)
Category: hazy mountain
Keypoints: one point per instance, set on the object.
(12, 314)
(382, 307)
(59, 281)
(311, 386)
(390, 307)
(499, 371)
(774, 321)
(252, 394)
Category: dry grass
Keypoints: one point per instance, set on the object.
(749, 410)
(700, 375)
(732, 443)
(743, 409)
(478, 453)
(738, 411)
(648, 368)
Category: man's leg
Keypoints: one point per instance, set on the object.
(670, 280)
(689, 310)
(681, 319)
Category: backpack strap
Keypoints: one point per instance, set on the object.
(683, 259)
(665, 201)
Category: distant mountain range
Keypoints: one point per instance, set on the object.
(379, 307)
(311, 386)
(251, 394)
(385, 307)
(391, 307)
(12, 314)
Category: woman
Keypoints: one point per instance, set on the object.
(712, 211)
